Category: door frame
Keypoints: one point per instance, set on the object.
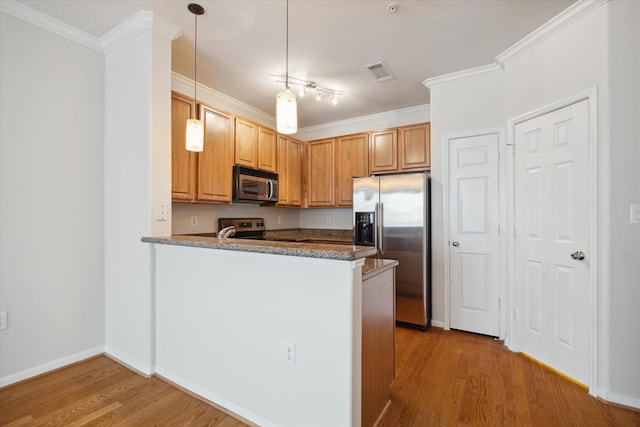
(595, 322)
(501, 226)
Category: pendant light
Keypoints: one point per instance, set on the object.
(195, 127)
(286, 108)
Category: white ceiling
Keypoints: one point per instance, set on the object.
(242, 42)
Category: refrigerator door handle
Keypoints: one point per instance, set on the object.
(381, 228)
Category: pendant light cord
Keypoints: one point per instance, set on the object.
(195, 67)
(287, 51)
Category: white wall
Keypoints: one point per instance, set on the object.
(624, 189)
(137, 179)
(598, 50)
(51, 200)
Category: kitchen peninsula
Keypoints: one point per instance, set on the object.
(227, 310)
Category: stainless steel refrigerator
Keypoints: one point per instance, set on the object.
(391, 212)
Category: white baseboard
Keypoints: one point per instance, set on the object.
(140, 368)
(437, 323)
(214, 398)
(50, 366)
(622, 400)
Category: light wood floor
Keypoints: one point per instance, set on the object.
(443, 378)
(452, 378)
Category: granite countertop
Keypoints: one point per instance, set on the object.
(375, 266)
(342, 252)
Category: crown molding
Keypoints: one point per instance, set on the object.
(46, 22)
(548, 29)
(387, 119)
(124, 32)
(184, 85)
(137, 24)
(398, 115)
(471, 73)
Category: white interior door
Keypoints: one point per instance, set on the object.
(551, 234)
(474, 235)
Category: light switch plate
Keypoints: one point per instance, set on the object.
(635, 214)
(161, 212)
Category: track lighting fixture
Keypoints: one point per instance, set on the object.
(304, 85)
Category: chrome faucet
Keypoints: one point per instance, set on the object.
(226, 232)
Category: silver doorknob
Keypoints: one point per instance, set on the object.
(578, 255)
(456, 244)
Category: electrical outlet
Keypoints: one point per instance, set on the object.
(328, 220)
(3, 320)
(279, 220)
(290, 353)
(194, 221)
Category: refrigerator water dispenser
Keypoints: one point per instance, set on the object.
(364, 232)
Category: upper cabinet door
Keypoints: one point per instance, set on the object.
(215, 162)
(246, 143)
(183, 162)
(267, 149)
(320, 173)
(383, 151)
(415, 147)
(352, 160)
(289, 178)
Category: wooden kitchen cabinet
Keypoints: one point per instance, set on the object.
(320, 169)
(289, 171)
(378, 344)
(215, 162)
(403, 149)
(383, 151)
(351, 161)
(183, 162)
(414, 148)
(267, 149)
(246, 143)
(255, 145)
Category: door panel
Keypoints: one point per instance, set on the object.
(473, 233)
(552, 221)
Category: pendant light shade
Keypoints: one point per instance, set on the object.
(286, 104)
(195, 135)
(195, 127)
(286, 112)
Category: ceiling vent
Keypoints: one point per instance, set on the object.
(380, 71)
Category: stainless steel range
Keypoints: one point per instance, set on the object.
(245, 228)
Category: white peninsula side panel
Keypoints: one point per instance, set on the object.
(223, 318)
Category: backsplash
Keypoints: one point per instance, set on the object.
(206, 217)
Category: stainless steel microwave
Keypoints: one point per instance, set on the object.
(254, 186)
